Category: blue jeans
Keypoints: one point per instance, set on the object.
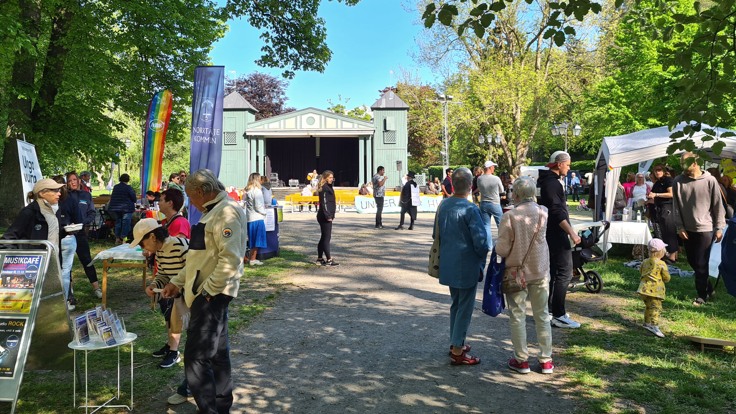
(461, 312)
(122, 225)
(68, 248)
(488, 210)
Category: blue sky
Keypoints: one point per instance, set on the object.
(368, 41)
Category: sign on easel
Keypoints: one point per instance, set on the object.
(30, 171)
(21, 283)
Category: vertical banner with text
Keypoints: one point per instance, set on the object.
(206, 143)
(30, 171)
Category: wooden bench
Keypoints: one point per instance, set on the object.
(710, 343)
(300, 200)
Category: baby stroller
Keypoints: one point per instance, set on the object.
(587, 252)
(583, 206)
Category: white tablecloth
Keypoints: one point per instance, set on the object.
(629, 232)
(122, 252)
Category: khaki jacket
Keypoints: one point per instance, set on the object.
(216, 251)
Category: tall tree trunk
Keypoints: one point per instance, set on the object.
(19, 115)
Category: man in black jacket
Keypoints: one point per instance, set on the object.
(559, 233)
(409, 201)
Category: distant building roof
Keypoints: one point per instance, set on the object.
(236, 101)
(389, 100)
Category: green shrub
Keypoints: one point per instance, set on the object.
(439, 171)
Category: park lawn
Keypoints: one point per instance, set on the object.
(620, 367)
(51, 391)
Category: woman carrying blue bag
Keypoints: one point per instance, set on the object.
(522, 243)
(463, 248)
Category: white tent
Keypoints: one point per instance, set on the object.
(641, 146)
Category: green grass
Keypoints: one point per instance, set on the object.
(51, 391)
(620, 367)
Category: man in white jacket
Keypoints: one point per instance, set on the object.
(209, 281)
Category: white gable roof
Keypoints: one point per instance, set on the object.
(310, 122)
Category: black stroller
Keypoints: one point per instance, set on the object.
(588, 252)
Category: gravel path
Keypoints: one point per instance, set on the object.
(372, 336)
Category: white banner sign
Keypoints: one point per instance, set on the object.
(391, 204)
(30, 171)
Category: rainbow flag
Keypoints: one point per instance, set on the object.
(154, 140)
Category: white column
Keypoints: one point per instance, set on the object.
(361, 163)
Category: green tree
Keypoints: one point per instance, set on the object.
(66, 67)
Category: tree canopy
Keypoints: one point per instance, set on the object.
(265, 92)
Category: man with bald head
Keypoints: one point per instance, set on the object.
(699, 218)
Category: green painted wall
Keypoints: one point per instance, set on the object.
(391, 125)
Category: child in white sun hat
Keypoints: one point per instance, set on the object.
(654, 275)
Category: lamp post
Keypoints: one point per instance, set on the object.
(495, 140)
(564, 128)
(445, 99)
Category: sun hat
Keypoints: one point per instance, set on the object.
(656, 245)
(410, 174)
(489, 164)
(46, 184)
(143, 227)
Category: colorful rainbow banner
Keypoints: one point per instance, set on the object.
(154, 140)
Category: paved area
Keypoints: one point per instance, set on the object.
(372, 335)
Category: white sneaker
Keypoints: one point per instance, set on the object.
(654, 329)
(98, 293)
(564, 321)
(255, 263)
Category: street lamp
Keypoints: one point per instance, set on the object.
(563, 129)
(445, 99)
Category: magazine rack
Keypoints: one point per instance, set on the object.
(94, 346)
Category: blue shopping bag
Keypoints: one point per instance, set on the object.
(493, 302)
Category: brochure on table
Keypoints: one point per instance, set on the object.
(21, 280)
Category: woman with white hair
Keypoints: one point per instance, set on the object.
(521, 240)
(639, 194)
(463, 248)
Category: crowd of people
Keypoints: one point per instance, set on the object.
(197, 269)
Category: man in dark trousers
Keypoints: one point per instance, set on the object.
(121, 208)
(209, 282)
(559, 233)
(699, 217)
(379, 190)
(409, 201)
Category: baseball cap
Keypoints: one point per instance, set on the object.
(46, 184)
(656, 245)
(489, 164)
(558, 156)
(143, 227)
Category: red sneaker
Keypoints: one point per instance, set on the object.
(520, 367)
(547, 367)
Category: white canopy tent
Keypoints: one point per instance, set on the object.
(642, 146)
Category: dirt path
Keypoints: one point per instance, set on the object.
(372, 336)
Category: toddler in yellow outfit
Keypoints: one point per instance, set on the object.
(654, 275)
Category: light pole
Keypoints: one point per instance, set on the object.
(564, 128)
(445, 99)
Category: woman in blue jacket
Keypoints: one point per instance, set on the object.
(463, 251)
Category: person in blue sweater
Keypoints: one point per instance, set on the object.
(121, 208)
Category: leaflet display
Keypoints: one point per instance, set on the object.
(24, 266)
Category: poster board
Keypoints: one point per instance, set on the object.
(22, 274)
(30, 170)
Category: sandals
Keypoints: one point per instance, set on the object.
(699, 302)
(464, 359)
(466, 348)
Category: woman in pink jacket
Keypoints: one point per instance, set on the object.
(522, 242)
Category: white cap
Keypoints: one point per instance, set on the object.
(143, 227)
(489, 164)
